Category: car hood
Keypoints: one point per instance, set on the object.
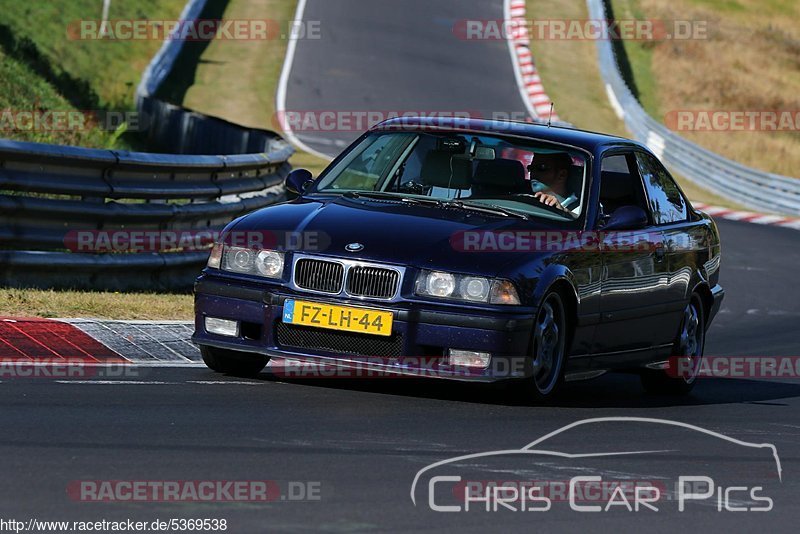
(389, 231)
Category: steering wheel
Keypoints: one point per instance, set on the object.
(554, 209)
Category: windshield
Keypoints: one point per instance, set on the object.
(532, 178)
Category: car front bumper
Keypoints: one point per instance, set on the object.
(418, 346)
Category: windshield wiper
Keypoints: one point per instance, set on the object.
(458, 204)
(381, 195)
(486, 208)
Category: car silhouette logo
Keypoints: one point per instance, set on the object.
(354, 247)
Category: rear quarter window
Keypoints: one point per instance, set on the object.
(666, 201)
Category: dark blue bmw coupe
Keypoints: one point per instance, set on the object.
(470, 250)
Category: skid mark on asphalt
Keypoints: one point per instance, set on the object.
(144, 341)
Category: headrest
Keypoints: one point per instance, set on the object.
(437, 168)
(500, 172)
(616, 185)
(575, 179)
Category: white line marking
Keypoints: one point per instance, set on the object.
(280, 97)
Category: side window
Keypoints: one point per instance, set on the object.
(618, 185)
(666, 201)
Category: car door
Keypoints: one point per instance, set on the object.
(635, 275)
(682, 239)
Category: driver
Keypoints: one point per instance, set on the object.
(552, 170)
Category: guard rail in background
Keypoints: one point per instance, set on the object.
(48, 193)
(175, 129)
(750, 187)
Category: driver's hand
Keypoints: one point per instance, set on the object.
(548, 200)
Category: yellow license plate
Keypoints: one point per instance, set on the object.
(345, 318)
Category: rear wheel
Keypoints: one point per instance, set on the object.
(688, 349)
(233, 362)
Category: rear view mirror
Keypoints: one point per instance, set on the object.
(627, 218)
(484, 153)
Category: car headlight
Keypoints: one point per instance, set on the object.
(269, 263)
(465, 287)
(266, 263)
(439, 284)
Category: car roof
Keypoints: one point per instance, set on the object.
(591, 141)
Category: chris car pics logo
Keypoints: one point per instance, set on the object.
(445, 486)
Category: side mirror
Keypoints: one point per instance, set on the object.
(627, 218)
(298, 180)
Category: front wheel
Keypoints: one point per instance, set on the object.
(233, 362)
(548, 351)
(687, 353)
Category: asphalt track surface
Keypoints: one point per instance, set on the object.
(364, 441)
(399, 57)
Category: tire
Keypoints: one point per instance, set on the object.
(232, 362)
(689, 343)
(548, 352)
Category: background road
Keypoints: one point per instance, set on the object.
(364, 441)
(390, 56)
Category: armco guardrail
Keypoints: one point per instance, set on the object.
(750, 187)
(48, 191)
(172, 128)
(49, 194)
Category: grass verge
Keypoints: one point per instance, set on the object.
(105, 305)
(45, 69)
(23, 90)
